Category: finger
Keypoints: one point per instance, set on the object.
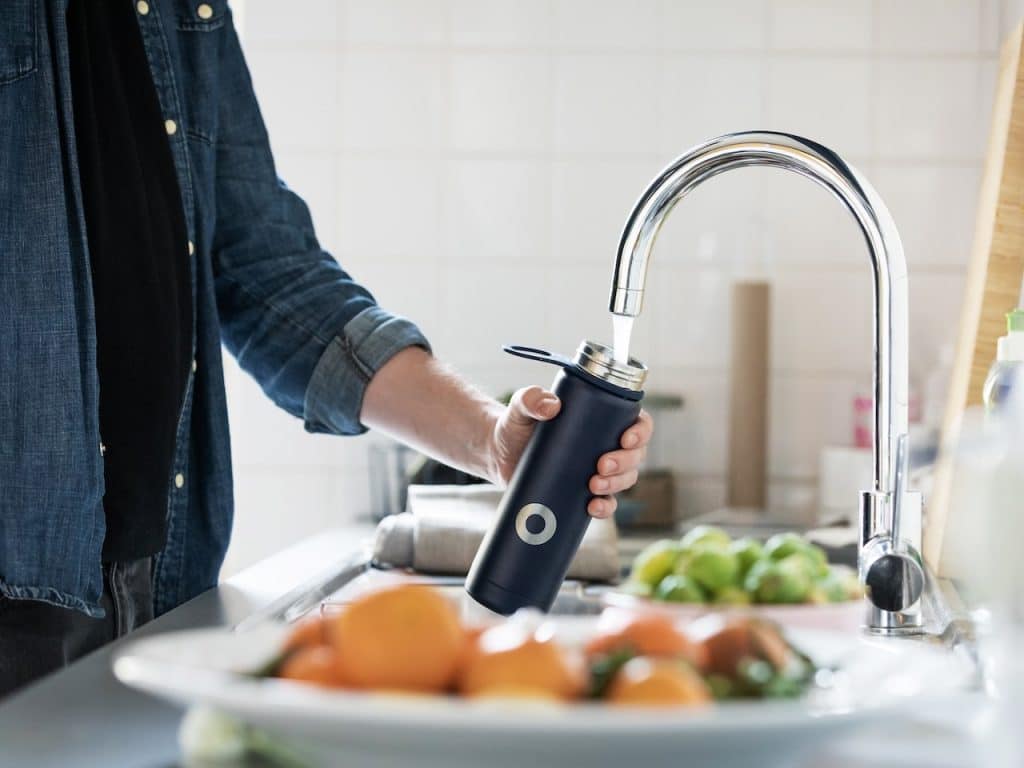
(532, 404)
(613, 484)
(602, 507)
(640, 433)
(617, 462)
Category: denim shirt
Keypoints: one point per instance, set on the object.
(294, 319)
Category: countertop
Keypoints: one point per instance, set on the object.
(81, 716)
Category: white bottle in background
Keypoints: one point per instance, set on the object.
(1009, 362)
(1004, 592)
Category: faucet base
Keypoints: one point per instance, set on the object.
(890, 564)
(894, 623)
(906, 631)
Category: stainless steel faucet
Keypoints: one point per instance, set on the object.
(890, 516)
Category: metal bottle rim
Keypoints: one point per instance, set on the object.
(599, 361)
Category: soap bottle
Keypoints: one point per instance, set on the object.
(1008, 365)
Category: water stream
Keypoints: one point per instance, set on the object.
(622, 330)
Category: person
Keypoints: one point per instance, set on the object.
(142, 224)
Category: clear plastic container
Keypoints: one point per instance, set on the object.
(1006, 370)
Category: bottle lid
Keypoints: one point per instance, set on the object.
(1015, 320)
(599, 361)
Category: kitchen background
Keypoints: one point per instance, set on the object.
(472, 162)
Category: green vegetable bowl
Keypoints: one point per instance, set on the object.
(786, 579)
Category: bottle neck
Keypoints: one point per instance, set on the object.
(1010, 348)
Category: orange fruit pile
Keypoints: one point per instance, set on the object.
(409, 638)
(512, 660)
(662, 682)
(651, 634)
(405, 637)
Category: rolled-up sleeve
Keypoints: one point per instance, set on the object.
(295, 320)
(339, 380)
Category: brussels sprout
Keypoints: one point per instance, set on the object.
(782, 545)
(852, 588)
(819, 558)
(783, 581)
(748, 551)
(832, 587)
(752, 580)
(655, 562)
(711, 566)
(705, 534)
(817, 595)
(731, 595)
(677, 588)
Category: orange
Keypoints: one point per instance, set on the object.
(647, 634)
(307, 633)
(512, 660)
(405, 637)
(645, 682)
(316, 664)
(469, 647)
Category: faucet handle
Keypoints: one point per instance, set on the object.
(894, 580)
(891, 568)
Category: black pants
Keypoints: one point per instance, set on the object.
(37, 638)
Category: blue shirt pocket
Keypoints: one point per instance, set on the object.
(17, 39)
(200, 16)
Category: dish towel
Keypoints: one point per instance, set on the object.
(445, 524)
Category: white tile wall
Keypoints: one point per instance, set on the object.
(606, 103)
(500, 101)
(931, 108)
(705, 95)
(829, 100)
(714, 25)
(605, 25)
(499, 23)
(380, 219)
(472, 161)
(394, 22)
(822, 25)
(401, 89)
(497, 212)
(926, 26)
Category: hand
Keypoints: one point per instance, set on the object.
(616, 470)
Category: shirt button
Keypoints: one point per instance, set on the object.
(204, 11)
(171, 127)
(103, 450)
(179, 480)
(191, 247)
(194, 366)
(142, 7)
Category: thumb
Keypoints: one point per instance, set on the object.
(533, 404)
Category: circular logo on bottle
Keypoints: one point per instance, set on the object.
(535, 524)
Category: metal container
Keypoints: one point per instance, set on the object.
(543, 515)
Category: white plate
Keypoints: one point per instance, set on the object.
(845, 617)
(878, 679)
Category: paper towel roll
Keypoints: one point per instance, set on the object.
(748, 394)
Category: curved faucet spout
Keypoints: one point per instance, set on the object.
(825, 167)
(822, 165)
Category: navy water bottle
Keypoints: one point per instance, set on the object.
(543, 515)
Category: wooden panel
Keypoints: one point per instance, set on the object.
(994, 275)
(748, 395)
